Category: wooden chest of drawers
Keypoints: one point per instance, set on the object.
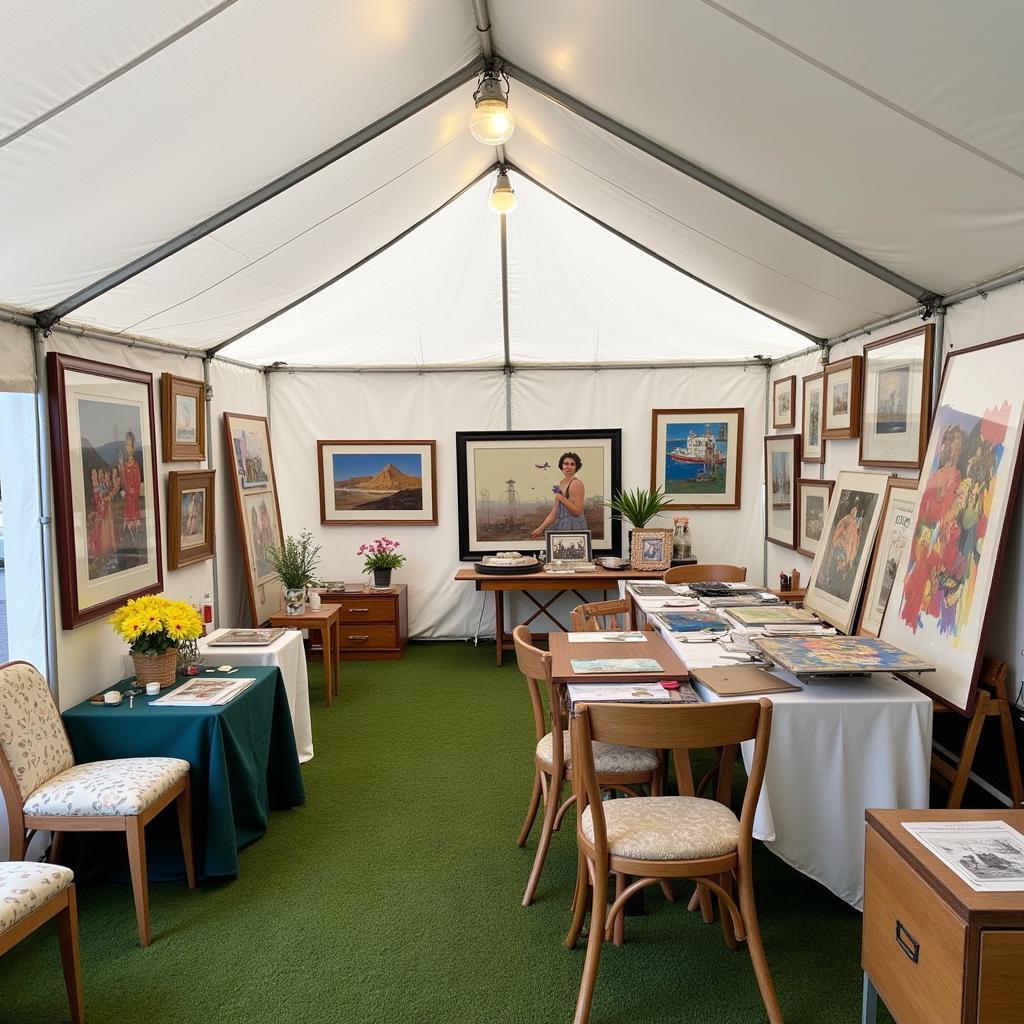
(936, 951)
(373, 624)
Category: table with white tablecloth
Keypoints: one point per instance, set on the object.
(288, 654)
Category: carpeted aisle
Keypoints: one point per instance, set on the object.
(393, 895)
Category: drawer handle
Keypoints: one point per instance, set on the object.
(360, 637)
(909, 945)
(363, 610)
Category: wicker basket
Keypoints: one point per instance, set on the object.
(157, 668)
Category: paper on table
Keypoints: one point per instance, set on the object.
(987, 855)
(203, 693)
(598, 638)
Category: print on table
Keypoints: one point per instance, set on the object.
(838, 655)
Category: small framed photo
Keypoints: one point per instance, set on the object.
(183, 418)
(811, 417)
(568, 545)
(842, 398)
(812, 499)
(781, 459)
(784, 402)
(651, 549)
(190, 517)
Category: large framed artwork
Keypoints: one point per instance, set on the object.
(256, 507)
(781, 461)
(183, 418)
(505, 481)
(847, 540)
(896, 398)
(842, 398)
(898, 511)
(190, 517)
(377, 482)
(697, 456)
(784, 402)
(812, 499)
(811, 413)
(942, 592)
(107, 528)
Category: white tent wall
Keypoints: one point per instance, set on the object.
(17, 362)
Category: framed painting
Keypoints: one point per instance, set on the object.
(107, 529)
(183, 418)
(842, 398)
(697, 456)
(898, 511)
(942, 593)
(784, 402)
(812, 499)
(377, 482)
(811, 416)
(650, 549)
(506, 481)
(897, 395)
(847, 540)
(256, 508)
(190, 517)
(568, 545)
(781, 459)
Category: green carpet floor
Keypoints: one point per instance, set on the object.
(393, 895)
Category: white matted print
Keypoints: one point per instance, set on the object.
(842, 398)
(813, 498)
(781, 461)
(812, 418)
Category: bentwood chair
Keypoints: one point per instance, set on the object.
(599, 616)
(620, 768)
(30, 895)
(656, 838)
(706, 574)
(44, 789)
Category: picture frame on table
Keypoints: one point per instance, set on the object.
(847, 540)
(899, 510)
(942, 597)
(697, 457)
(190, 517)
(505, 486)
(896, 399)
(650, 549)
(812, 497)
(812, 416)
(257, 509)
(784, 402)
(383, 482)
(842, 398)
(781, 463)
(568, 546)
(183, 418)
(107, 513)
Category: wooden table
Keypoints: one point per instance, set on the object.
(654, 646)
(555, 584)
(325, 622)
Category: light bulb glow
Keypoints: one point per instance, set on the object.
(503, 196)
(492, 122)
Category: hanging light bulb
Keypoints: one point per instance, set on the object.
(503, 197)
(491, 122)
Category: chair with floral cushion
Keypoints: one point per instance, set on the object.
(44, 789)
(32, 894)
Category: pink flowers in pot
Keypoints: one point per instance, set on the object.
(381, 554)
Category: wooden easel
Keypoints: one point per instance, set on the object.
(992, 702)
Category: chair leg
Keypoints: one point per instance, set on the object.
(748, 912)
(136, 836)
(56, 844)
(667, 890)
(67, 933)
(550, 810)
(728, 931)
(618, 926)
(594, 941)
(184, 807)
(531, 814)
(579, 901)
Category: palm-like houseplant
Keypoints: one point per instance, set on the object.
(295, 566)
(640, 506)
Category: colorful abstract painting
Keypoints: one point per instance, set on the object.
(838, 655)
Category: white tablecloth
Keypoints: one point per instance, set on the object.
(288, 654)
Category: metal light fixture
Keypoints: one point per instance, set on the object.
(492, 122)
(503, 196)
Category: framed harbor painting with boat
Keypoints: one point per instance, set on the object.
(696, 456)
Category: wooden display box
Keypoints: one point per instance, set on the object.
(373, 624)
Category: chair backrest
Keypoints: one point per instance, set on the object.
(33, 744)
(535, 665)
(706, 574)
(601, 615)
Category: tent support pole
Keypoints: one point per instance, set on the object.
(507, 368)
(208, 395)
(767, 485)
(938, 354)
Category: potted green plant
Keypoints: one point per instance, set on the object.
(380, 557)
(638, 507)
(295, 566)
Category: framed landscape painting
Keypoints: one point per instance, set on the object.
(781, 460)
(107, 527)
(697, 456)
(813, 442)
(784, 402)
(183, 418)
(942, 592)
(190, 517)
(377, 482)
(842, 398)
(812, 498)
(505, 481)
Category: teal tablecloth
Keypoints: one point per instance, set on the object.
(242, 757)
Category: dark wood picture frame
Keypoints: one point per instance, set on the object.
(779, 388)
(803, 484)
(179, 483)
(793, 441)
(805, 418)
(171, 388)
(851, 364)
(72, 529)
(551, 536)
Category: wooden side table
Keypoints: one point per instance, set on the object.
(373, 625)
(325, 622)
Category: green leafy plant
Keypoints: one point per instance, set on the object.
(295, 563)
(639, 507)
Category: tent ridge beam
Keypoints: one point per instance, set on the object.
(47, 317)
(720, 185)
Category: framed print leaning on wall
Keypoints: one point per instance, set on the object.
(107, 529)
(811, 418)
(697, 456)
(942, 593)
(781, 461)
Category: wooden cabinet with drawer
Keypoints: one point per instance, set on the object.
(934, 950)
(372, 625)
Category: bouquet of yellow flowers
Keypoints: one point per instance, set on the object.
(153, 624)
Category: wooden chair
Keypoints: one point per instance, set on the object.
(43, 788)
(620, 768)
(706, 574)
(602, 615)
(30, 895)
(658, 838)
